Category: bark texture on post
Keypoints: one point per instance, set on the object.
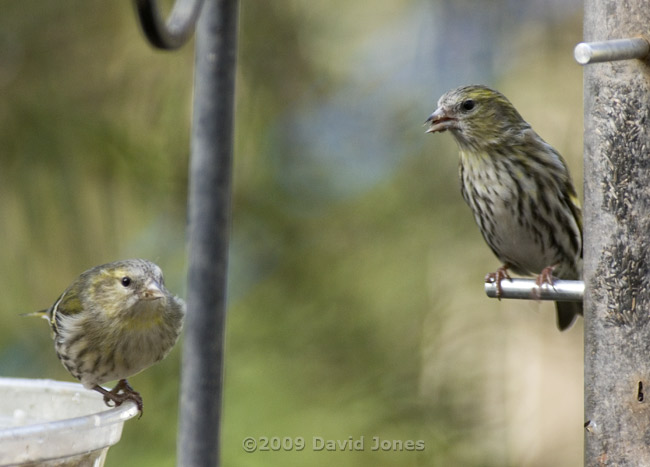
(617, 242)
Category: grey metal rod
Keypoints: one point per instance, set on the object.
(174, 32)
(527, 289)
(209, 228)
(608, 51)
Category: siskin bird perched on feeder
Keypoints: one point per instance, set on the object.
(518, 188)
(112, 322)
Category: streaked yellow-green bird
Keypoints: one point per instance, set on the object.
(112, 322)
(518, 188)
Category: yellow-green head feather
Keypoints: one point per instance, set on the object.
(479, 117)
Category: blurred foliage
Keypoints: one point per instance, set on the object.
(356, 303)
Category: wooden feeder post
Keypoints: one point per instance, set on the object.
(616, 232)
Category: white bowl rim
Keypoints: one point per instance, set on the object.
(94, 420)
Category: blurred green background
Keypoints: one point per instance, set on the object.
(356, 296)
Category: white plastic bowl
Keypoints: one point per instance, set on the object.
(55, 423)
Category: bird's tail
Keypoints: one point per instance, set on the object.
(39, 314)
(567, 312)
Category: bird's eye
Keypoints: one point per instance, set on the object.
(468, 105)
(126, 281)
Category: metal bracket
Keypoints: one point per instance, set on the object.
(586, 53)
(527, 289)
(173, 33)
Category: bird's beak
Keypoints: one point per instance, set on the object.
(440, 121)
(153, 291)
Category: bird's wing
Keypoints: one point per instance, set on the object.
(68, 304)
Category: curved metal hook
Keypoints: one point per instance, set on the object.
(178, 28)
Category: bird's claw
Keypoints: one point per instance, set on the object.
(496, 278)
(121, 393)
(544, 278)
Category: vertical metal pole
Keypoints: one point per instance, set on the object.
(209, 226)
(617, 242)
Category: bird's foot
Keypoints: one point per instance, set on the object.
(121, 393)
(497, 276)
(544, 278)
